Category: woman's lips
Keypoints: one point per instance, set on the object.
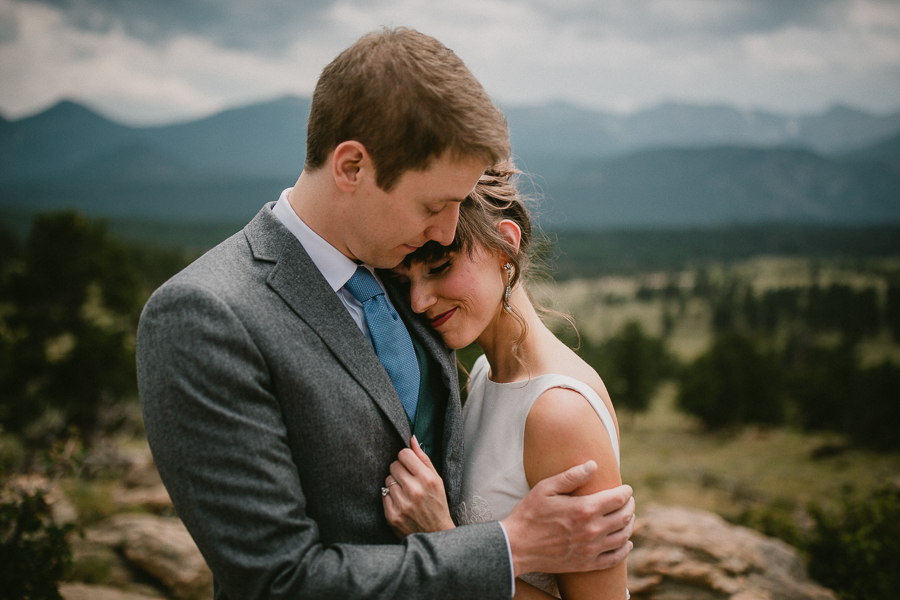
(442, 318)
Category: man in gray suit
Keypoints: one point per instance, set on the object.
(271, 419)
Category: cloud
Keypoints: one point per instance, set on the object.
(9, 25)
(685, 19)
(129, 79)
(155, 60)
(273, 25)
(269, 25)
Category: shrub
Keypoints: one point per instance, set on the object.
(831, 392)
(34, 552)
(855, 549)
(892, 311)
(632, 365)
(67, 338)
(875, 408)
(822, 382)
(777, 520)
(841, 308)
(733, 383)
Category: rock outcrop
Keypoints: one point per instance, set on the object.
(679, 554)
(160, 546)
(81, 591)
(687, 554)
(142, 488)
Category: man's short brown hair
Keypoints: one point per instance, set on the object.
(407, 98)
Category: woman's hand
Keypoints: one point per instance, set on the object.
(416, 501)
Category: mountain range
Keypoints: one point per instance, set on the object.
(673, 165)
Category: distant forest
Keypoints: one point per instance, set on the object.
(589, 253)
(592, 253)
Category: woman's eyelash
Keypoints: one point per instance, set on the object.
(440, 268)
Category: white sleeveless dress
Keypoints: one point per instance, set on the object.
(494, 428)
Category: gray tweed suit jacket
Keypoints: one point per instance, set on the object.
(273, 425)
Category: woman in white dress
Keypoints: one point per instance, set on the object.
(534, 408)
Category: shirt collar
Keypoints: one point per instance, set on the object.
(331, 262)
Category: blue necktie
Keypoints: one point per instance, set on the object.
(390, 338)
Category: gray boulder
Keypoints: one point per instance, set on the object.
(81, 591)
(687, 554)
(160, 546)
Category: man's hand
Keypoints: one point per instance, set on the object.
(553, 532)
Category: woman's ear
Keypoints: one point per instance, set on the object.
(347, 162)
(511, 231)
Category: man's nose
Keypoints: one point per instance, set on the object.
(443, 230)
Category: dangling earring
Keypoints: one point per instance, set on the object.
(508, 266)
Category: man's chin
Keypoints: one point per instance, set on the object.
(386, 262)
(398, 257)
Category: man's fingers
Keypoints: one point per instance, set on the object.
(628, 530)
(615, 499)
(622, 519)
(614, 557)
(617, 536)
(570, 480)
(617, 519)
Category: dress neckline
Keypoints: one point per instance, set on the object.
(524, 382)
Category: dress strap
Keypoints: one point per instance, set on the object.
(564, 381)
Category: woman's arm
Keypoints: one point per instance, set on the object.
(563, 430)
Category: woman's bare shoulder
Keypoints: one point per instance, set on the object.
(563, 430)
(564, 361)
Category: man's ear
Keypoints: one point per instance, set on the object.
(347, 162)
(512, 232)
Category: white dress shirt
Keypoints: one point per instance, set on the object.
(331, 262)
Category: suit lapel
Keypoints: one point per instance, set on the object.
(302, 287)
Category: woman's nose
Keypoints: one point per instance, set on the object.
(421, 297)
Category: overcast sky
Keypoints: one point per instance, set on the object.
(155, 61)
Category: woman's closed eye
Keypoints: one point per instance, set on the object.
(441, 268)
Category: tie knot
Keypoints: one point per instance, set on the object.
(363, 285)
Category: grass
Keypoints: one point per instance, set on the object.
(668, 459)
(92, 499)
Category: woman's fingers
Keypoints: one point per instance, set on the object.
(413, 497)
(400, 474)
(418, 470)
(413, 462)
(417, 450)
(394, 518)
